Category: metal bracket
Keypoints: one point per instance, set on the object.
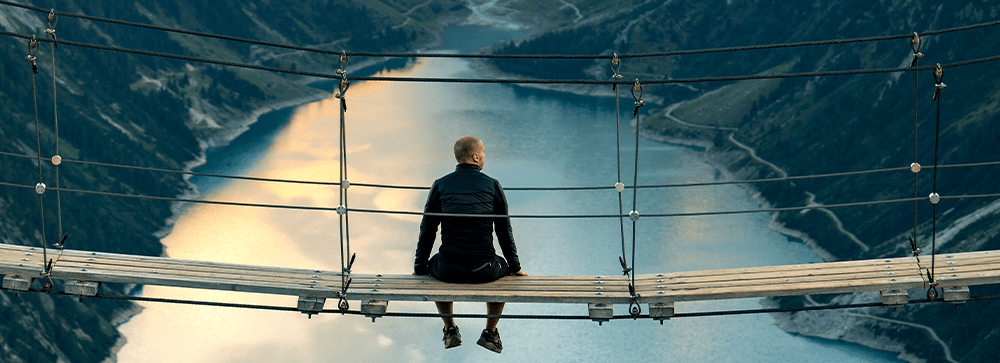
(17, 283)
(82, 288)
(601, 312)
(956, 294)
(661, 311)
(311, 305)
(374, 308)
(895, 298)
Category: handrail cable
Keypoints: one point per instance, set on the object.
(934, 197)
(40, 187)
(415, 187)
(506, 316)
(499, 56)
(505, 81)
(615, 64)
(524, 216)
(915, 45)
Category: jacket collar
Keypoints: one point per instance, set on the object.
(464, 166)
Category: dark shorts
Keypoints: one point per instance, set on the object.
(476, 273)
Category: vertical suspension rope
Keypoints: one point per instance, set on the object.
(40, 187)
(934, 197)
(56, 159)
(345, 233)
(915, 45)
(634, 307)
(616, 65)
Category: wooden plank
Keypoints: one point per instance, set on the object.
(968, 279)
(150, 259)
(777, 281)
(799, 267)
(487, 296)
(788, 290)
(167, 263)
(200, 283)
(232, 274)
(973, 268)
(771, 277)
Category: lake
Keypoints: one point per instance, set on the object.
(402, 133)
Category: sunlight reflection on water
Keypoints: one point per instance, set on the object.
(401, 133)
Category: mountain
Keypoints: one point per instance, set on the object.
(820, 125)
(145, 111)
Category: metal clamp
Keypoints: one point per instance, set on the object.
(938, 82)
(915, 44)
(625, 268)
(52, 19)
(344, 83)
(32, 48)
(637, 87)
(616, 66)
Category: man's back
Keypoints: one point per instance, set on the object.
(466, 240)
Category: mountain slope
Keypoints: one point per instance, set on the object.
(144, 111)
(818, 125)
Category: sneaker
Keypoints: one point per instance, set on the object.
(491, 340)
(451, 337)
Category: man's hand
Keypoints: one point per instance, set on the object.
(519, 273)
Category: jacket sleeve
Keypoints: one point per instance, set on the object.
(505, 235)
(428, 231)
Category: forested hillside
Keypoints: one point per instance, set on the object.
(145, 111)
(818, 125)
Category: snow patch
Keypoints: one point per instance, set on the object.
(203, 119)
(117, 126)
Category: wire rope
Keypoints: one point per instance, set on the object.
(506, 81)
(412, 187)
(505, 316)
(498, 56)
(516, 216)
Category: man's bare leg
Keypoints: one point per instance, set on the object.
(493, 308)
(447, 307)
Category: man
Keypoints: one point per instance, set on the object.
(466, 254)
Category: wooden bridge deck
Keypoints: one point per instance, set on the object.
(83, 271)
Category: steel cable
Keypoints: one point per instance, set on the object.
(498, 56)
(505, 81)
(504, 316)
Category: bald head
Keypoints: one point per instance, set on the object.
(470, 150)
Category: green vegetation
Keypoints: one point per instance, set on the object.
(823, 125)
(137, 110)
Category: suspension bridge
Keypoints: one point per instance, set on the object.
(944, 277)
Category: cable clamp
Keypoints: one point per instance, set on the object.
(939, 82)
(633, 215)
(345, 183)
(619, 187)
(51, 31)
(915, 168)
(40, 188)
(913, 245)
(915, 44)
(934, 198)
(637, 87)
(616, 66)
(344, 83)
(341, 209)
(32, 48)
(634, 308)
(343, 305)
(56, 160)
(625, 268)
(62, 242)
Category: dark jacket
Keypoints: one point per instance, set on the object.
(466, 240)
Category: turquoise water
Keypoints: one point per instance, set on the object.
(401, 133)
